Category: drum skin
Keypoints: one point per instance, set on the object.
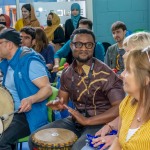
(6, 106)
(54, 139)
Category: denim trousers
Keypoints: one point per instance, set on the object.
(68, 123)
(17, 129)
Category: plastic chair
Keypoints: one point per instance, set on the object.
(50, 116)
(61, 63)
(106, 45)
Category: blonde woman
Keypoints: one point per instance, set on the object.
(135, 41)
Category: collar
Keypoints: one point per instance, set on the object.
(85, 68)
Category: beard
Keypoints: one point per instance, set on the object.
(83, 59)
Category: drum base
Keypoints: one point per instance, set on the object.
(50, 148)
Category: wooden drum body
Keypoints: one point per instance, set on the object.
(54, 139)
(6, 107)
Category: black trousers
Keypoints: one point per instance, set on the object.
(67, 123)
(18, 128)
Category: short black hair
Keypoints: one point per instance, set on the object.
(86, 22)
(30, 31)
(27, 7)
(51, 13)
(117, 25)
(82, 31)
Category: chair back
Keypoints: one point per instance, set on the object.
(52, 97)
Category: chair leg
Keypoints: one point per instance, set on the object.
(21, 146)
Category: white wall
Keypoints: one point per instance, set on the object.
(42, 9)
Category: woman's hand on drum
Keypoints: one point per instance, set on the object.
(78, 116)
(108, 140)
(57, 104)
(26, 104)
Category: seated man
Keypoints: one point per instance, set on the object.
(27, 35)
(65, 51)
(93, 87)
(26, 78)
(115, 52)
(29, 38)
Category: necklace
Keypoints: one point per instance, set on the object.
(138, 119)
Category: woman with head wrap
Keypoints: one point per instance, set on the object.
(54, 31)
(5, 20)
(28, 18)
(73, 22)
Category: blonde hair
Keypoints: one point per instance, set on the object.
(136, 41)
(141, 61)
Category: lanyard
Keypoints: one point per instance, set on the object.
(84, 112)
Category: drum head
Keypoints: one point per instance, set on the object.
(54, 137)
(1, 127)
(6, 106)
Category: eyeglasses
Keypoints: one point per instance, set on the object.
(88, 45)
(4, 41)
(147, 49)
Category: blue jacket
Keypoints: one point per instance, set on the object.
(37, 116)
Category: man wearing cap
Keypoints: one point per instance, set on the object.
(26, 78)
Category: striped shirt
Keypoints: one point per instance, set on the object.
(141, 139)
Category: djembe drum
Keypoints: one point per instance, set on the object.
(6, 107)
(53, 139)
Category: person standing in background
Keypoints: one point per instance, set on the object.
(54, 31)
(28, 18)
(73, 23)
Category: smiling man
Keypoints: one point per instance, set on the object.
(115, 52)
(94, 89)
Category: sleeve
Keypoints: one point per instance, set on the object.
(19, 25)
(59, 36)
(63, 81)
(37, 70)
(113, 88)
(63, 51)
(50, 55)
(99, 51)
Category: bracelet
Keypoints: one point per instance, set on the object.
(109, 126)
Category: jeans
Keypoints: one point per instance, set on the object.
(18, 128)
(67, 123)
